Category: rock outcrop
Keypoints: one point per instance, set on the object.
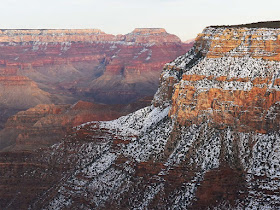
(210, 139)
(151, 35)
(41, 36)
(235, 82)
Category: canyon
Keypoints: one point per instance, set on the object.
(209, 139)
(53, 69)
(64, 66)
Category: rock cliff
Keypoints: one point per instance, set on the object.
(210, 139)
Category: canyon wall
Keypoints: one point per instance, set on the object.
(210, 139)
(64, 66)
(236, 83)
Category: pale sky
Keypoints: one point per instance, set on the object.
(185, 18)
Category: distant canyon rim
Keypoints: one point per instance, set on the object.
(46, 71)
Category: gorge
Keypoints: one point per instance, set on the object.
(65, 66)
(209, 140)
(48, 71)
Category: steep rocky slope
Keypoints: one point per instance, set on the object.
(210, 139)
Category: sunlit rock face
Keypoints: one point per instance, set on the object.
(235, 82)
(210, 139)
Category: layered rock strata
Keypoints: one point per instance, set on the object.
(46, 124)
(209, 140)
(65, 66)
(90, 63)
(18, 93)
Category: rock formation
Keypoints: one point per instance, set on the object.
(64, 66)
(18, 93)
(210, 139)
(81, 63)
(46, 124)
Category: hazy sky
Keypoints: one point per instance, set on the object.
(184, 18)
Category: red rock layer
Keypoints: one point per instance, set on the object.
(219, 185)
(44, 125)
(139, 35)
(246, 110)
(253, 42)
(71, 62)
(70, 65)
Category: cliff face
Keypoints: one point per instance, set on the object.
(151, 35)
(235, 82)
(210, 138)
(238, 42)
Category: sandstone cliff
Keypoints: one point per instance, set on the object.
(209, 140)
